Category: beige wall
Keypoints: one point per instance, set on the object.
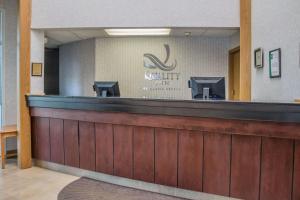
(121, 59)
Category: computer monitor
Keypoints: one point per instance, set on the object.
(107, 88)
(208, 88)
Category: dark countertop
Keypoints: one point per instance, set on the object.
(277, 112)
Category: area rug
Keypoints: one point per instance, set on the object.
(88, 189)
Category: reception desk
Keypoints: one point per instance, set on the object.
(243, 150)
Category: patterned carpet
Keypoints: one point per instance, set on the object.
(88, 189)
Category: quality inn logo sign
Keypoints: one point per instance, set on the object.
(153, 62)
(158, 70)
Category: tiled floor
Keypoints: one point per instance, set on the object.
(31, 184)
(42, 184)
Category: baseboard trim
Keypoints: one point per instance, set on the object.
(170, 191)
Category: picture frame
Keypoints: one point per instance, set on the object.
(37, 69)
(299, 54)
(275, 63)
(258, 58)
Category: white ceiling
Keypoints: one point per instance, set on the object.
(59, 37)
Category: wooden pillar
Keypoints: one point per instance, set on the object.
(245, 50)
(24, 138)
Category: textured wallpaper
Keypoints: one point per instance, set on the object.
(121, 59)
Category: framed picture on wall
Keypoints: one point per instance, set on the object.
(299, 55)
(275, 63)
(258, 58)
(36, 69)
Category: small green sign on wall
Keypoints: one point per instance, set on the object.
(275, 63)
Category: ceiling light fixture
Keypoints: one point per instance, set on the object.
(138, 32)
(187, 34)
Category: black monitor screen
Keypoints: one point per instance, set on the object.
(208, 88)
(107, 89)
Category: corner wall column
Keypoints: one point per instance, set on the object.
(24, 137)
(245, 50)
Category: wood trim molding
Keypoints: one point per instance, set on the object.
(245, 50)
(24, 139)
(230, 71)
(234, 49)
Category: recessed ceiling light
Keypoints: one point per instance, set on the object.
(138, 31)
(187, 34)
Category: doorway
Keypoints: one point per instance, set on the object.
(51, 73)
(234, 74)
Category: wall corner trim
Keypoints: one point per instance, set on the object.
(245, 50)
(24, 131)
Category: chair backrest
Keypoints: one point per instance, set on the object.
(8, 129)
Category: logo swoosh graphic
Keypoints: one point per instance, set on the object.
(167, 47)
(157, 63)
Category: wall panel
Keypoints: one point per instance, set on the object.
(123, 151)
(57, 140)
(143, 147)
(190, 160)
(276, 169)
(296, 184)
(33, 137)
(216, 170)
(166, 145)
(104, 148)
(42, 145)
(87, 153)
(71, 143)
(245, 167)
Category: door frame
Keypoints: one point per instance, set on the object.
(230, 72)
